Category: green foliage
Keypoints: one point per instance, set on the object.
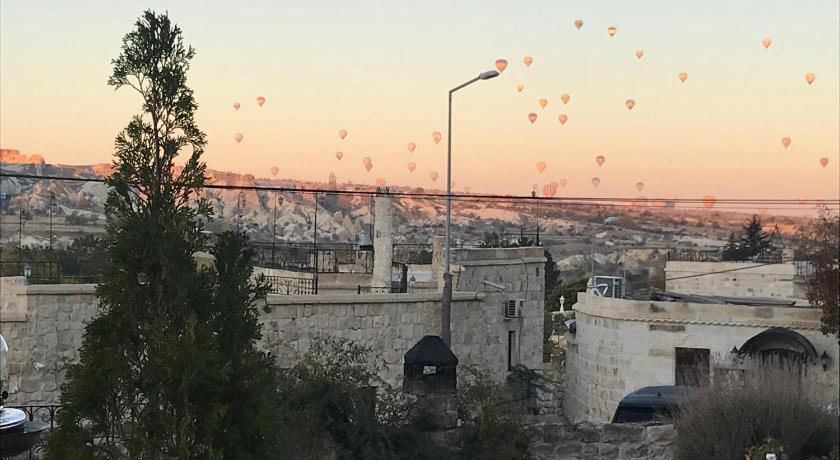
(764, 399)
(83, 261)
(169, 367)
(333, 400)
(568, 289)
(490, 428)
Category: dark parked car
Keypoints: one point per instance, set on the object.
(650, 404)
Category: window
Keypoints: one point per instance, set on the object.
(691, 366)
(513, 350)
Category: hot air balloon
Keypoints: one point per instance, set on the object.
(540, 166)
(411, 165)
(411, 146)
(339, 155)
(260, 101)
(823, 162)
(520, 87)
(801, 200)
(380, 181)
(274, 170)
(238, 137)
(528, 61)
(565, 98)
(629, 103)
(596, 182)
(563, 118)
(543, 102)
(600, 159)
(766, 42)
(809, 77)
(563, 183)
(342, 133)
(434, 176)
(683, 77)
(366, 161)
(549, 190)
(708, 201)
(532, 117)
(611, 30)
(236, 105)
(639, 53)
(466, 189)
(436, 137)
(501, 65)
(786, 142)
(578, 24)
(640, 186)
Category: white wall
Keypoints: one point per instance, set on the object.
(747, 279)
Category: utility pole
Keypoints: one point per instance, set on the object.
(52, 206)
(20, 231)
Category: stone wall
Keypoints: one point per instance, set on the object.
(560, 441)
(746, 279)
(43, 324)
(623, 345)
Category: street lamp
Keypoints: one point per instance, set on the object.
(314, 216)
(240, 203)
(52, 207)
(277, 202)
(446, 301)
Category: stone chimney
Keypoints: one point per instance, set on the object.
(383, 241)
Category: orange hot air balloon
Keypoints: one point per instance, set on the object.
(595, 182)
(767, 42)
(434, 176)
(528, 61)
(366, 161)
(342, 133)
(600, 159)
(411, 146)
(565, 98)
(809, 77)
(612, 30)
(801, 200)
(532, 117)
(823, 162)
(368, 166)
(563, 118)
(274, 170)
(640, 186)
(236, 105)
(238, 137)
(501, 65)
(260, 101)
(549, 190)
(630, 103)
(786, 142)
(339, 155)
(436, 136)
(411, 166)
(683, 77)
(520, 87)
(563, 183)
(380, 181)
(466, 189)
(639, 53)
(708, 201)
(543, 102)
(540, 166)
(578, 24)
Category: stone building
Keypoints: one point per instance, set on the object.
(43, 324)
(621, 345)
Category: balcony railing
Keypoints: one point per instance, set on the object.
(292, 286)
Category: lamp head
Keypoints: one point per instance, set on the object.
(488, 75)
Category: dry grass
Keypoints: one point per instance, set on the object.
(764, 399)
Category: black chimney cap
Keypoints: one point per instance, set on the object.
(430, 351)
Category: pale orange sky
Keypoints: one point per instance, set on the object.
(381, 70)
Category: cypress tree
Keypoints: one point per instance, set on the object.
(168, 368)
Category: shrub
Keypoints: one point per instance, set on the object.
(765, 399)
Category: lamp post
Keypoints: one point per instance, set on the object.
(240, 203)
(277, 201)
(446, 300)
(52, 207)
(314, 215)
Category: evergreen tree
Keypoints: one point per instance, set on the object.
(754, 240)
(732, 250)
(168, 368)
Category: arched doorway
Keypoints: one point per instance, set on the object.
(780, 343)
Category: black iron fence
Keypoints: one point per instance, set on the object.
(291, 285)
(325, 257)
(803, 270)
(770, 256)
(43, 413)
(44, 273)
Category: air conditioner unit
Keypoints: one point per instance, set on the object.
(513, 308)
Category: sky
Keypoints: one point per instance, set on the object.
(382, 70)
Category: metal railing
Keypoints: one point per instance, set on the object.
(769, 256)
(393, 289)
(45, 413)
(287, 285)
(803, 270)
(327, 257)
